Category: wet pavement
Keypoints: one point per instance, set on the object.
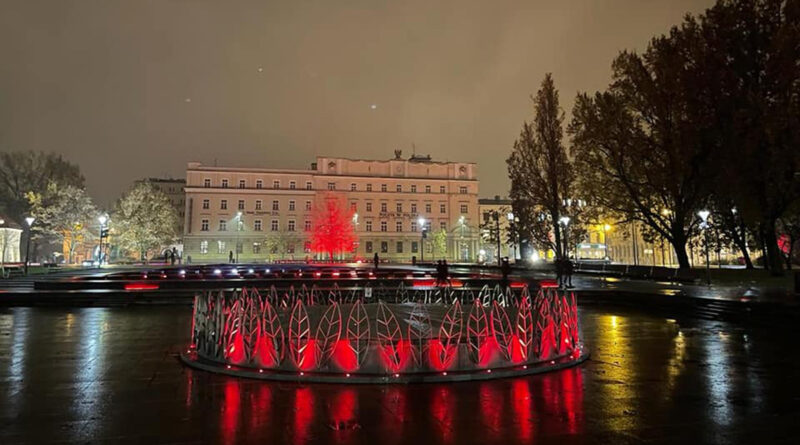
(110, 375)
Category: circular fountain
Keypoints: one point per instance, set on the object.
(366, 332)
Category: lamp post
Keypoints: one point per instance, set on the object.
(30, 221)
(564, 220)
(606, 228)
(421, 222)
(512, 220)
(102, 219)
(238, 229)
(703, 214)
(461, 221)
(496, 216)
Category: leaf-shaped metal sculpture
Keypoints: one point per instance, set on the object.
(389, 337)
(358, 331)
(300, 336)
(329, 330)
(477, 332)
(251, 321)
(501, 329)
(419, 331)
(271, 340)
(524, 326)
(450, 335)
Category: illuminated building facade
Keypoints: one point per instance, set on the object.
(267, 213)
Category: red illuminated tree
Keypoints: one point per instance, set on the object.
(332, 226)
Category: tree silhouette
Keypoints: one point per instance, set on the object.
(332, 226)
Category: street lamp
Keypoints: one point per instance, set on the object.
(30, 221)
(461, 221)
(421, 222)
(703, 214)
(238, 229)
(606, 228)
(512, 227)
(564, 220)
(102, 219)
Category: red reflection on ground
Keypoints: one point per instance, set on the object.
(230, 412)
(344, 413)
(303, 415)
(260, 405)
(395, 415)
(442, 407)
(523, 411)
(491, 405)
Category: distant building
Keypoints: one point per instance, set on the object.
(173, 188)
(494, 213)
(10, 235)
(386, 199)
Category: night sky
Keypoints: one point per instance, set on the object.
(130, 89)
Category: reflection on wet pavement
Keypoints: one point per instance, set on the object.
(98, 375)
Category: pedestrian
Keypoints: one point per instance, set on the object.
(569, 267)
(505, 269)
(559, 271)
(174, 255)
(376, 260)
(445, 271)
(439, 272)
(230, 256)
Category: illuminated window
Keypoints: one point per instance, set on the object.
(442, 208)
(398, 226)
(276, 184)
(414, 247)
(368, 226)
(223, 205)
(223, 225)
(291, 206)
(207, 183)
(273, 225)
(258, 204)
(220, 246)
(242, 184)
(464, 208)
(384, 247)
(204, 247)
(368, 246)
(275, 206)
(290, 226)
(204, 225)
(257, 225)
(224, 183)
(384, 226)
(256, 248)
(427, 189)
(259, 184)
(292, 185)
(206, 204)
(399, 247)
(383, 187)
(241, 204)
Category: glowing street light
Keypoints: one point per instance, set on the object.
(102, 219)
(30, 221)
(238, 229)
(703, 214)
(421, 222)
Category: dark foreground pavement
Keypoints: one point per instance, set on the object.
(110, 375)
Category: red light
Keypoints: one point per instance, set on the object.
(141, 286)
(317, 274)
(547, 284)
(424, 283)
(517, 284)
(456, 283)
(335, 274)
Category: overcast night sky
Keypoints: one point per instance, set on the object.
(130, 89)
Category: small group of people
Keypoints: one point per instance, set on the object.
(564, 269)
(442, 272)
(172, 256)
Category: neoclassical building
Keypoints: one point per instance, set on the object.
(263, 213)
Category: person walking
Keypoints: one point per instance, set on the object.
(559, 271)
(505, 269)
(230, 256)
(569, 267)
(376, 260)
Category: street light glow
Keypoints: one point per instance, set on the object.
(30, 220)
(703, 214)
(102, 219)
(510, 216)
(564, 220)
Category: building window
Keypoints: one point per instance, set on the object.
(256, 248)
(368, 246)
(258, 204)
(368, 226)
(462, 190)
(383, 187)
(223, 205)
(443, 225)
(383, 207)
(352, 186)
(384, 227)
(441, 189)
(369, 187)
(428, 226)
(204, 225)
(242, 184)
(220, 246)
(257, 225)
(291, 206)
(273, 226)
(353, 207)
(399, 247)
(399, 188)
(413, 226)
(309, 185)
(239, 248)
(241, 204)
(223, 225)
(275, 206)
(428, 208)
(464, 208)
(369, 206)
(207, 183)
(442, 208)
(427, 189)
(398, 226)
(203, 246)
(291, 226)
(224, 183)
(414, 247)
(413, 188)
(413, 207)
(308, 205)
(399, 207)
(206, 204)
(384, 247)
(292, 185)
(307, 225)
(259, 184)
